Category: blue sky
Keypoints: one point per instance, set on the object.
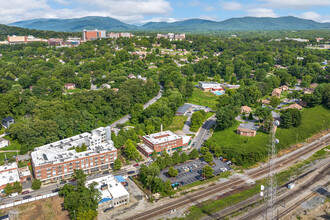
(141, 11)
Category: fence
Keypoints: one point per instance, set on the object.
(27, 200)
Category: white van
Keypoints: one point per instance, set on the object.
(13, 195)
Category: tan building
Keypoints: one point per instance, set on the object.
(245, 109)
(295, 106)
(314, 85)
(70, 86)
(284, 88)
(246, 132)
(277, 92)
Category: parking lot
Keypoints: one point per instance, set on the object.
(191, 171)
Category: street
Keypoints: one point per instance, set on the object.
(204, 132)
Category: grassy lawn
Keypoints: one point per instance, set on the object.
(203, 98)
(14, 145)
(313, 121)
(177, 123)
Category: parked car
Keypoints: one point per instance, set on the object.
(106, 172)
(229, 162)
(27, 197)
(73, 180)
(182, 183)
(55, 190)
(135, 165)
(25, 192)
(13, 195)
(220, 158)
(131, 172)
(223, 169)
(224, 160)
(63, 182)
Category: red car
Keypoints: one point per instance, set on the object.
(73, 180)
(135, 165)
(25, 192)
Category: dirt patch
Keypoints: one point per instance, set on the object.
(50, 208)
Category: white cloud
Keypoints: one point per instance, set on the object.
(297, 3)
(209, 8)
(209, 17)
(159, 19)
(231, 6)
(310, 15)
(124, 10)
(261, 12)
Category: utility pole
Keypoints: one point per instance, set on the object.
(270, 197)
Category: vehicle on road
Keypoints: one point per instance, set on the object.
(106, 172)
(13, 195)
(131, 172)
(135, 165)
(25, 192)
(73, 180)
(55, 190)
(27, 197)
(63, 182)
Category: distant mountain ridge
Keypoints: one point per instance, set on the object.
(190, 25)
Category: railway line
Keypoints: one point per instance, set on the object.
(304, 187)
(227, 186)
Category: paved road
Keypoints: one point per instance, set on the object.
(127, 117)
(47, 189)
(204, 132)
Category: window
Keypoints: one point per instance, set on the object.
(38, 171)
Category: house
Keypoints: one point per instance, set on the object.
(295, 106)
(245, 109)
(246, 132)
(277, 92)
(284, 88)
(308, 91)
(264, 101)
(105, 85)
(131, 76)
(209, 86)
(141, 77)
(3, 142)
(6, 122)
(70, 86)
(152, 67)
(302, 103)
(314, 85)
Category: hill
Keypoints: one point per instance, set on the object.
(75, 24)
(190, 25)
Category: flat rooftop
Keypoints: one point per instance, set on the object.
(63, 150)
(9, 177)
(114, 190)
(162, 137)
(146, 148)
(8, 167)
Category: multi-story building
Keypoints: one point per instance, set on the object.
(10, 173)
(172, 36)
(209, 86)
(58, 160)
(117, 35)
(161, 141)
(113, 193)
(93, 34)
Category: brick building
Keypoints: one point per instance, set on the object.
(93, 34)
(59, 159)
(165, 140)
(246, 132)
(10, 173)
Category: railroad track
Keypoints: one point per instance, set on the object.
(228, 186)
(305, 186)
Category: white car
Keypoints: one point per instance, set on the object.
(224, 169)
(13, 195)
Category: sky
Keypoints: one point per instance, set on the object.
(142, 11)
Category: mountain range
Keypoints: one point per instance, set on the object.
(190, 25)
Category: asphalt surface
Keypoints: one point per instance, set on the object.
(204, 133)
(191, 171)
(127, 117)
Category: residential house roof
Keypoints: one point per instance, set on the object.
(9, 118)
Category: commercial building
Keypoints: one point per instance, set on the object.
(118, 35)
(172, 36)
(23, 39)
(113, 193)
(10, 173)
(165, 140)
(210, 86)
(3, 142)
(93, 34)
(59, 159)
